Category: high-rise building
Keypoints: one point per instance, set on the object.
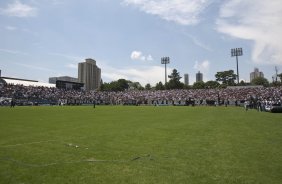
(199, 77)
(255, 74)
(186, 79)
(89, 74)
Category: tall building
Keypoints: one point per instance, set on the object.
(255, 74)
(89, 74)
(199, 77)
(186, 79)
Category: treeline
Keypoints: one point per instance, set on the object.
(222, 80)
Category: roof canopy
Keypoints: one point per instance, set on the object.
(28, 83)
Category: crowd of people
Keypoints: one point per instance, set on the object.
(24, 95)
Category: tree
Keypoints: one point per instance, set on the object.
(212, 84)
(148, 86)
(199, 85)
(160, 86)
(174, 82)
(135, 85)
(123, 84)
(226, 77)
(260, 81)
(119, 85)
(187, 87)
(242, 83)
(103, 86)
(280, 76)
(222, 86)
(277, 82)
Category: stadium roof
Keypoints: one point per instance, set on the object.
(24, 82)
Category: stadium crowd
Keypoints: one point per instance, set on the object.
(24, 95)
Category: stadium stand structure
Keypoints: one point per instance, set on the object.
(24, 82)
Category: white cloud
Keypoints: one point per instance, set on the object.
(202, 66)
(144, 75)
(58, 2)
(11, 28)
(13, 52)
(72, 66)
(29, 66)
(138, 55)
(20, 29)
(197, 41)
(150, 58)
(18, 9)
(258, 21)
(69, 57)
(183, 12)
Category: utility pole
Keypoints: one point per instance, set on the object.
(237, 52)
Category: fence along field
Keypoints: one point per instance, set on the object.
(137, 144)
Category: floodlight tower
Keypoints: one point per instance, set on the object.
(237, 52)
(276, 73)
(165, 61)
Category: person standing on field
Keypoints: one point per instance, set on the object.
(13, 103)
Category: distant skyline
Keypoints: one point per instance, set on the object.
(48, 38)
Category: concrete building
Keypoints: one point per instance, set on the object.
(199, 77)
(255, 74)
(186, 79)
(66, 82)
(89, 74)
(52, 80)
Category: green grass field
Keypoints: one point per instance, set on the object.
(130, 144)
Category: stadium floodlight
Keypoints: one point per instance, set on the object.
(237, 52)
(165, 61)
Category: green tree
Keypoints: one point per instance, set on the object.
(187, 87)
(114, 86)
(148, 86)
(212, 84)
(119, 85)
(160, 86)
(260, 81)
(174, 82)
(199, 85)
(226, 77)
(242, 83)
(123, 84)
(103, 86)
(135, 85)
(280, 76)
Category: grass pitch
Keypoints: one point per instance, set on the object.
(129, 144)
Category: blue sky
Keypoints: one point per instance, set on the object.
(47, 38)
